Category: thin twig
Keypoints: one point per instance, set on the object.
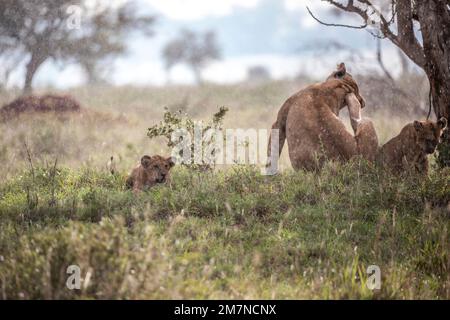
(335, 24)
(381, 63)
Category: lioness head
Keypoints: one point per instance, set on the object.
(347, 81)
(157, 168)
(428, 134)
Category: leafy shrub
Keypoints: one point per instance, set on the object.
(173, 121)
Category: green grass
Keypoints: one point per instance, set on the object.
(226, 234)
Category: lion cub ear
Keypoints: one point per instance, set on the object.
(172, 161)
(418, 125)
(145, 161)
(341, 71)
(442, 123)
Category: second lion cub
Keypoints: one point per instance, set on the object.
(410, 149)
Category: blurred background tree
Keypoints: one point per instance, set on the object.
(258, 74)
(39, 30)
(196, 50)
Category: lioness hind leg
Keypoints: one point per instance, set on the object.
(367, 140)
(281, 138)
(312, 162)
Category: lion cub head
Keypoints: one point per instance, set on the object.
(150, 171)
(428, 134)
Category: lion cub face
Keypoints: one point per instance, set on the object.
(429, 134)
(151, 171)
(156, 168)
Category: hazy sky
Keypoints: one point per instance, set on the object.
(278, 34)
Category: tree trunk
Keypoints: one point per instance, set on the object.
(434, 18)
(33, 65)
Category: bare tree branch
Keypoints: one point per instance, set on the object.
(335, 24)
(405, 38)
(381, 63)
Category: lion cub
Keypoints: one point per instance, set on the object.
(409, 150)
(149, 172)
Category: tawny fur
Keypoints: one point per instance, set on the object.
(149, 172)
(309, 122)
(409, 150)
(367, 140)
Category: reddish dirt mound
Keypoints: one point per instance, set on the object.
(45, 103)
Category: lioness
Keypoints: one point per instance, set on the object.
(309, 122)
(410, 149)
(150, 171)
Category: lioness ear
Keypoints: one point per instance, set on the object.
(341, 71)
(171, 161)
(418, 125)
(145, 161)
(442, 123)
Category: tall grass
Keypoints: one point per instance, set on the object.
(229, 234)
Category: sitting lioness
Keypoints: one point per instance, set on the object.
(149, 172)
(309, 122)
(410, 149)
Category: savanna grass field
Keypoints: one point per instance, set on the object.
(227, 233)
